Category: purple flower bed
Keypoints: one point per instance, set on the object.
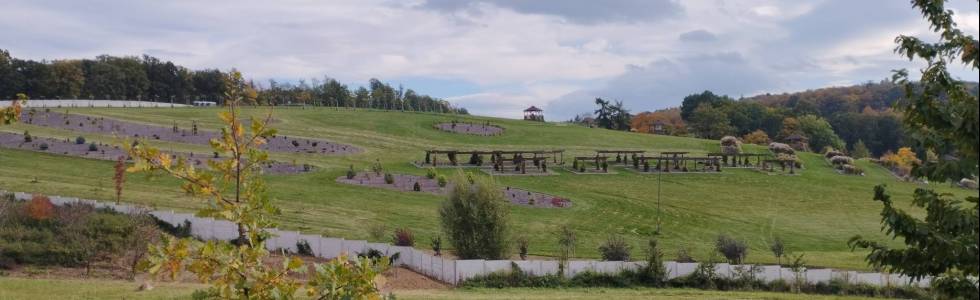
(113, 152)
(181, 133)
(406, 183)
(467, 128)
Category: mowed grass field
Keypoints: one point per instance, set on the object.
(67, 289)
(814, 213)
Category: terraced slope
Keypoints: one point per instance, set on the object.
(815, 212)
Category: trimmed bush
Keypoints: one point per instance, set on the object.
(27, 137)
(852, 169)
(780, 148)
(733, 250)
(403, 237)
(615, 249)
(43, 146)
(389, 179)
(93, 147)
(80, 140)
(303, 248)
(436, 244)
(730, 145)
(417, 187)
(475, 219)
(831, 153)
(351, 173)
(431, 173)
(841, 160)
(442, 181)
(522, 246)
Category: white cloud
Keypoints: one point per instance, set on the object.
(516, 53)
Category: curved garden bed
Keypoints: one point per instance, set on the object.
(183, 132)
(406, 183)
(113, 152)
(470, 128)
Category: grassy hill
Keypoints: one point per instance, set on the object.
(814, 213)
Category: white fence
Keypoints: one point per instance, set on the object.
(93, 103)
(453, 271)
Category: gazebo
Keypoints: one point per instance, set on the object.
(534, 114)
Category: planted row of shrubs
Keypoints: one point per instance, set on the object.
(703, 278)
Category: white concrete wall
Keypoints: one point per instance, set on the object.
(91, 103)
(453, 271)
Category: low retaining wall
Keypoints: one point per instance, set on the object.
(453, 271)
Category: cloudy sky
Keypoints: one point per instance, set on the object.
(496, 57)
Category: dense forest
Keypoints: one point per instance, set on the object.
(150, 79)
(844, 118)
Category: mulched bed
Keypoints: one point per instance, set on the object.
(470, 128)
(183, 133)
(406, 183)
(112, 152)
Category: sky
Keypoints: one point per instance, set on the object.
(496, 57)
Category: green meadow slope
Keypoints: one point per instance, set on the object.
(814, 213)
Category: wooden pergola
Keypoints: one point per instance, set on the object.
(770, 163)
(598, 160)
(432, 156)
(740, 159)
(622, 156)
(679, 162)
(497, 157)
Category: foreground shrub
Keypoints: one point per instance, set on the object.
(615, 249)
(342, 278)
(704, 277)
(654, 273)
(436, 244)
(38, 233)
(303, 248)
(522, 246)
(39, 208)
(733, 250)
(475, 219)
(351, 173)
(403, 237)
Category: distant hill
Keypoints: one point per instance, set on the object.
(826, 102)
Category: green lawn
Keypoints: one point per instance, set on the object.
(814, 213)
(68, 289)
